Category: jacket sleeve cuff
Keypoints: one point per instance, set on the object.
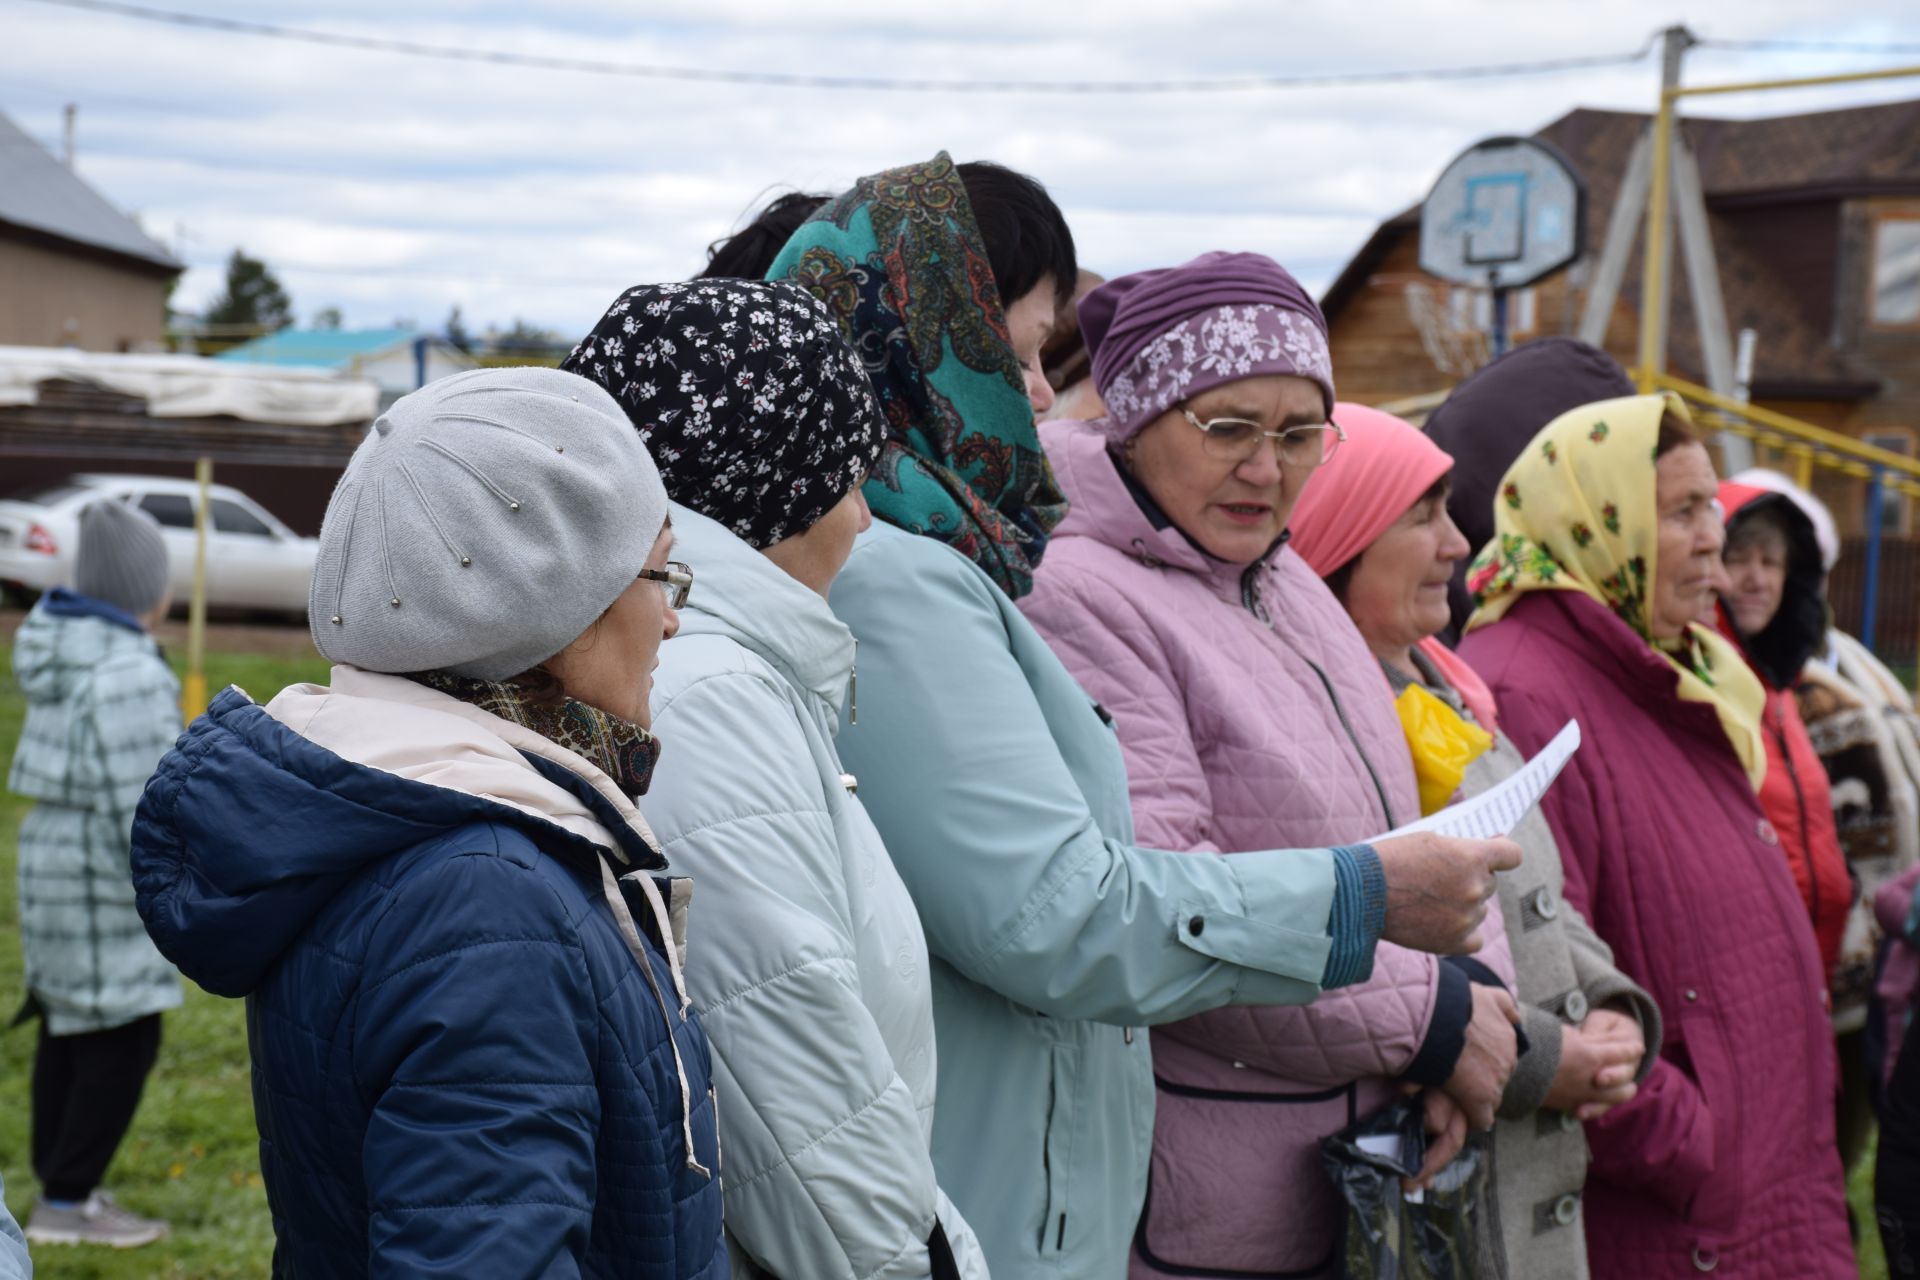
(1359, 915)
(1446, 1030)
(1618, 989)
(1533, 1073)
(1275, 929)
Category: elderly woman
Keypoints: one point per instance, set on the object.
(1252, 716)
(764, 432)
(1607, 543)
(996, 782)
(1374, 524)
(472, 1052)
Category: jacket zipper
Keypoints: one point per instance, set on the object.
(1800, 807)
(1354, 738)
(1251, 598)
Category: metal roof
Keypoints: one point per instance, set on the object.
(323, 348)
(40, 193)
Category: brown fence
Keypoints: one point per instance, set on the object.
(1897, 611)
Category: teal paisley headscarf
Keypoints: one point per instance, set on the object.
(899, 262)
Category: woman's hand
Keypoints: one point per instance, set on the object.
(1598, 1062)
(1437, 889)
(1446, 1136)
(1487, 1058)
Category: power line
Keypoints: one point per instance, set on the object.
(1806, 46)
(885, 84)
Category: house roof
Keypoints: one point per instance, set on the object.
(41, 194)
(1743, 163)
(323, 348)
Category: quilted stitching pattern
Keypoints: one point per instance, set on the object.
(441, 970)
(1232, 743)
(1729, 1148)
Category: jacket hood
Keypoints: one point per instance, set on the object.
(740, 594)
(63, 629)
(1496, 412)
(1105, 505)
(261, 814)
(1799, 628)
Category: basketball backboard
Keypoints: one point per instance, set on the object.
(1506, 212)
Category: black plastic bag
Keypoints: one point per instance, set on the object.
(1453, 1233)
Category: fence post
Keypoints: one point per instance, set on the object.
(1870, 602)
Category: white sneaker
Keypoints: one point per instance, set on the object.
(95, 1220)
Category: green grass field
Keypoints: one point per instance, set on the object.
(192, 1156)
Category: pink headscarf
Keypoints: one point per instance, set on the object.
(1379, 472)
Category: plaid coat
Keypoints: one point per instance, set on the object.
(102, 708)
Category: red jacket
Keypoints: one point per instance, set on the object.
(1727, 1154)
(1795, 795)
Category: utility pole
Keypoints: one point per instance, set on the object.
(72, 115)
(1657, 296)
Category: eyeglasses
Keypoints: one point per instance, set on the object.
(1235, 440)
(676, 580)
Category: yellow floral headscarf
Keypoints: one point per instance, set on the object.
(1576, 512)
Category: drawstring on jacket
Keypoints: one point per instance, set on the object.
(631, 933)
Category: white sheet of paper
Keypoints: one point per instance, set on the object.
(1496, 812)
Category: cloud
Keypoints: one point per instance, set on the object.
(393, 186)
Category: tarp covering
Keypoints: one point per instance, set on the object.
(195, 386)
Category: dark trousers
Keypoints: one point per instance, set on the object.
(85, 1090)
(1896, 1184)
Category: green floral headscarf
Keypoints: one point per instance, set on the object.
(899, 262)
(1576, 512)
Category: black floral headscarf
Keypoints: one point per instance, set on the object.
(754, 407)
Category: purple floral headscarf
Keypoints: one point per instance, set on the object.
(1161, 337)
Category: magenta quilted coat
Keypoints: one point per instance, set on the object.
(1726, 1160)
(1253, 717)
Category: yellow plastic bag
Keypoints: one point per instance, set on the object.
(1443, 745)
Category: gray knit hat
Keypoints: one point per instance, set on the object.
(122, 560)
(486, 521)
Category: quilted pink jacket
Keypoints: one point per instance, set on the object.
(1253, 717)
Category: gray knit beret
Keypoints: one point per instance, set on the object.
(487, 520)
(122, 559)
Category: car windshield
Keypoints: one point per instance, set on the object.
(48, 495)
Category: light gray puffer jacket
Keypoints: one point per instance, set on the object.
(810, 969)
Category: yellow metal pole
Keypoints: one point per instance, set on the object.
(193, 695)
(1751, 86)
(1803, 468)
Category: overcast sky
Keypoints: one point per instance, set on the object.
(396, 187)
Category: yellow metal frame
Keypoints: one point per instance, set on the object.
(1655, 261)
(1808, 444)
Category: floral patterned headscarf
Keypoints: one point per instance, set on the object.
(1576, 512)
(899, 262)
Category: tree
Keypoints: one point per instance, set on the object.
(253, 297)
(457, 332)
(524, 336)
(327, 318)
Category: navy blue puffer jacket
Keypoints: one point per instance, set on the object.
(459, 1067)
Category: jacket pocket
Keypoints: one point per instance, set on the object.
(1056, 1153)
(1235, 1188)
(1714, 1211)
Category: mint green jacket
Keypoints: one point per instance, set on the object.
(999, 789)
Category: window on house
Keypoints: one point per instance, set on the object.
(1896, 271)
(1896, 509)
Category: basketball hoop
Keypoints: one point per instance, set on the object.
(1505, 213)
(1455, 349)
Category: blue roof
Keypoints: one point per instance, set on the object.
(326, 348)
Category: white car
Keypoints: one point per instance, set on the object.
(253, 561)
